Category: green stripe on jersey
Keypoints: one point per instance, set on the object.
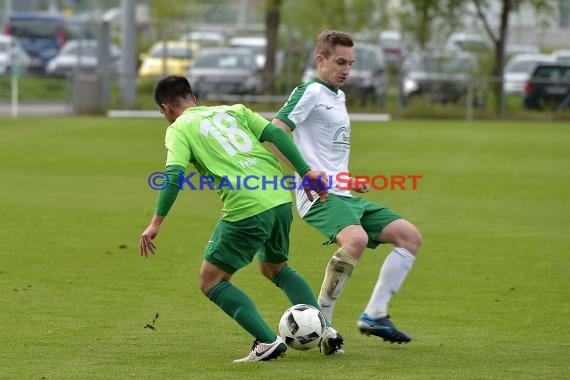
(294, 99)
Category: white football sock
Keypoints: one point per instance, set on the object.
(337, 273)
(392, 274)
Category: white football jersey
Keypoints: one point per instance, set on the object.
(317, 115)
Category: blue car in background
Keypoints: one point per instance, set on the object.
(42, 34)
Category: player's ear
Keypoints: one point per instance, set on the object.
(167, 110)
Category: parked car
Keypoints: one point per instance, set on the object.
(518, 69)
(394, 45)
(12, 53)
(549, 84)
(443, 76)
(170, 58)
(205, 38)
(256, 44)
(82, 56)
(562, 56)
(468, 43)
(225, 71)
(41, 35)
(368, 78)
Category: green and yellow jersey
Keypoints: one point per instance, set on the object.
(223, 144)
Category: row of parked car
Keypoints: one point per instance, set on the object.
(81, 55)
(235, 69)
(445, 75)
(232, 69)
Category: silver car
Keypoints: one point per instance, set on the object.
(225, 71)
(81, 56)
(443, 75)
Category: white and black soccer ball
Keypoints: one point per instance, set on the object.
(302, 326)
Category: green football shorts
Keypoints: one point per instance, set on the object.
(338, 212)
(234, 244)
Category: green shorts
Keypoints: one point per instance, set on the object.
(338, 212)
(234, 244)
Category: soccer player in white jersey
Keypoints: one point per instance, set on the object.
(316, 114)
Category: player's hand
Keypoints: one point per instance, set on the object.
(359, 187)
(319, 184)
(146, 243)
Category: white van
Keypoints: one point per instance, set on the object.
(257, 44)
(394, 45)
(468, 43)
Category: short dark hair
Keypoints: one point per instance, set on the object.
(328, 39)
(172, 89)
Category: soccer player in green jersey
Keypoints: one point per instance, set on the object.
(224, 145)
(317, 115)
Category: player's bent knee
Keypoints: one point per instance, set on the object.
(418, 238)
(270, 270)
(413, 240)
(210, 276)
(402, 233)
(353, 241)
(359, 242)
(209, 279)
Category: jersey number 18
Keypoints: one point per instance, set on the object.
(225, 130)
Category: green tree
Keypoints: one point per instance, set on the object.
(421, 18)
(305, 19)
(164, 16)
(272, 22)
(164, 21)
(308, 18)
(499, 36)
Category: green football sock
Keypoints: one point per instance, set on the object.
(241, 308)
(295, 287)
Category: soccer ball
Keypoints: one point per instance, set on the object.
(302, 326)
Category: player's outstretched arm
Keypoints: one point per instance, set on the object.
(146, 241)
(164, 202)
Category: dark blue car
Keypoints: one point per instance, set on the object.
(549, 85)
(41, 35)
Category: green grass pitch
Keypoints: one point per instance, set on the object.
(488, 296)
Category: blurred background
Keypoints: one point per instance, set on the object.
(464, 59)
